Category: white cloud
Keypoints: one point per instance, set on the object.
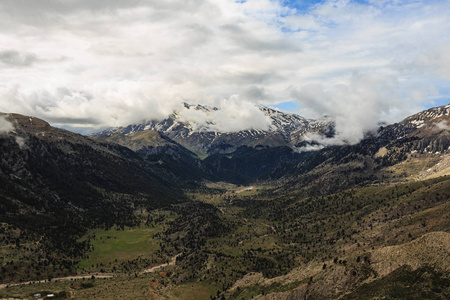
(93, 64)
(96, 107)
(21, 142)
(359, 104)
(302, 22)
(231, 115)
(5, 125)
(435, 62)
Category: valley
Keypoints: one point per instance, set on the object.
(261, 249)
(141, 216)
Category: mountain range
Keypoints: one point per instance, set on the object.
(284, 129)
(284, 148)
(315, 224)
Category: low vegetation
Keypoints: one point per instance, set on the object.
(291, 242)
(88, 220)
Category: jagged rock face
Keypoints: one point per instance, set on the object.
(284, 130)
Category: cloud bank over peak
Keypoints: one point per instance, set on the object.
(87, 65)
(359, 105)
(229, 115)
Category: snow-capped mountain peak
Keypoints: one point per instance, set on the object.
(202, 128)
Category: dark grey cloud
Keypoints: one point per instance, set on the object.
(17, 59)
(57, 13)
(75, 121)
(244, 38)
(13, 58)
(25, 8)
(256, 93)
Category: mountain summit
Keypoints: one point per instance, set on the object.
(204, 136)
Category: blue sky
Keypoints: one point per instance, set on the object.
(302, 5)
(86, 65)
(289, 106)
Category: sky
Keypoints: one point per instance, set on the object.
(86, 65)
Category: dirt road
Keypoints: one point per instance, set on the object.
(156, 268)
(172, 262)
(75, 277)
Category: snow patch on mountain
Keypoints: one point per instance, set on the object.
(418, 120)
(204, 129)
(251, 121)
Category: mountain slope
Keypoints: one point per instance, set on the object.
(397, 152)
(248, 164)
(160, 150)
(36, 157)
(57, 184)
(429, 121)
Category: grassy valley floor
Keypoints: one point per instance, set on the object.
(261, 242)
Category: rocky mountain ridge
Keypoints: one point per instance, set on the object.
(433, 120)
(284, 129)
